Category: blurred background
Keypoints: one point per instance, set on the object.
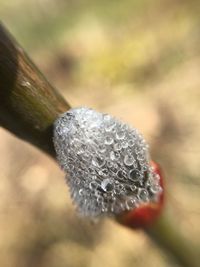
(137, 60)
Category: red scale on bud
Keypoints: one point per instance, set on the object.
(146, 214)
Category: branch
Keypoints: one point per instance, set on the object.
(165, 233)
(28, 107)
(28, 103)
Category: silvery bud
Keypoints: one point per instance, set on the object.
(106, 161)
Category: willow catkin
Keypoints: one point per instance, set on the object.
(106, 162)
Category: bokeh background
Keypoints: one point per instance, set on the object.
(138, 60)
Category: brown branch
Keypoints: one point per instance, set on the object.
(28, 107)
(28, 103)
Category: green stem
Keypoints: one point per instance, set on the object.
(167, 234)
(28, 103)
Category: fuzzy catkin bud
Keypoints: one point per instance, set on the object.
(106, 161)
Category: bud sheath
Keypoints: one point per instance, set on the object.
(107, 163)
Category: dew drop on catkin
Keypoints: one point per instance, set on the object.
(106, 162)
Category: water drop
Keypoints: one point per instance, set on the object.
(109, 164)
(120, 134)
(156, 189)
(97, 193)
(102, 148)
(133, 188)
(124, 144)
(156, 178)
(80, 192)
(117, 146)
(119, 189)
(107, 185)
(98, 161)
(131, 203)
(131, 142)
(77, 181)
(110, 126)
(144, 168)
(143, 195)
(94, 177)
(134, 175)
(114, 168)
(99, 199)
(79, 173)
(128, 160)
(103, 172)
(107, 117)
(85, 157)
(93, 185)
(117, 207)
(104, 209)
(121, 174)
(108, 140)
(112, 155)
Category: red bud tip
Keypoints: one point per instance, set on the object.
(145, 215)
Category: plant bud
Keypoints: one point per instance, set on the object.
(106, 162)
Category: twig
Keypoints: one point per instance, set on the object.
(28, 103)
(28, 107)
(166, 233)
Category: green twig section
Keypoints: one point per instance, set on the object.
(28, 107)
(167, 234)
(28, 103)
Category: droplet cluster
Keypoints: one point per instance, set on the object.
(106, 161)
